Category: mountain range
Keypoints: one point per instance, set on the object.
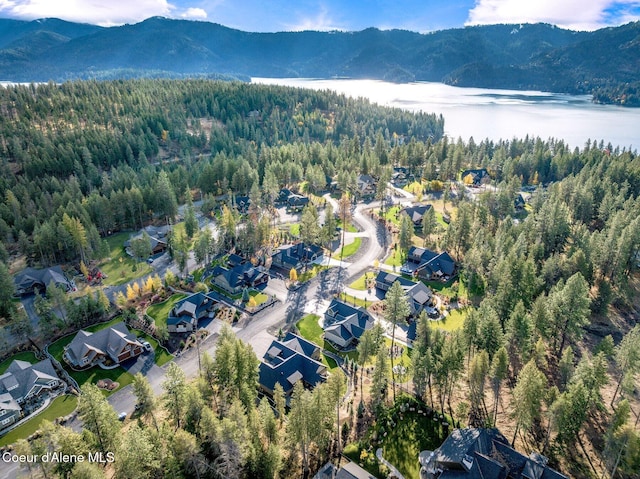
(605, 63)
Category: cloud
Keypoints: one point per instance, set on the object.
(194, 14)
(319, 22)
(572, 14)
(99, 12)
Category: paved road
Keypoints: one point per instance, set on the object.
(260, 329)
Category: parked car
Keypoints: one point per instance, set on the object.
(122, 416)
(146, 346)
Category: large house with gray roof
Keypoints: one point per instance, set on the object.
(21, 382)
(115, 344)
(429, 265)
(296, 256)
(187, 312)
(30, 280)
(416, 213)
(345, 324)
(288, 361)
(482, 454)
(419, 295)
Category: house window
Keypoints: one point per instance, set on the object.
(6, 421)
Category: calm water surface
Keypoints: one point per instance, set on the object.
(496, 114)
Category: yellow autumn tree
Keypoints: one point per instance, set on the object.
(149, 285)
(252, 302)
(131, 294)
(293, 274)
(157, 283)
(137, 290)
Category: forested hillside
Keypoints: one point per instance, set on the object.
(552, 334)
(605, 62)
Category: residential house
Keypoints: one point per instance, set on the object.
(22, 382)
(429, 265)
(115, 344)
(345, 324)
(519, 203)
(288, 361)
(419, 295)
(366, 187)
(29, 280)
(475, 177)
(186, 313)
(157, 239)
(233, 280)
(349, 471)
(291, 200)
(296, 256)
(242, 203)
(482, 454)
(400, 176)
(416, 213)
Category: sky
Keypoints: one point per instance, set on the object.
(325, 15)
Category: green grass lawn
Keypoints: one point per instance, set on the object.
(410, 435)
(258, 296)
(119, 268)
(353, 301)
(294, 229)
(361, 283)
(27, 356)
(311, 331)
(56, 349)
(350, 227)
(61, 406)
(395, 259)
(160, 311)
(350, 249)
(453, 321)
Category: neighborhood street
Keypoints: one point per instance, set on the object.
(260, 329)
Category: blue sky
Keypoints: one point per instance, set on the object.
(350, 15)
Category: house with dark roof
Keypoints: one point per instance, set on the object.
(241, 203)
(400, 176)
(115, 343)
(429, 265)
(29, 280)
(416, 213)
(21, 382)
(519, 203)
(291, 200)
(288, 361)
(296, 256)
(482, 454)
(366, 185)
(419, 295)
(345, 324)
(234, 279)
(185, 314)
(475, 177)
(157, 237)
(349, 471)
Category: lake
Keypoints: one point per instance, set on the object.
(495, 114)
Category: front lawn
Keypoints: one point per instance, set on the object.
(310, 330)
(92, 375)
(353, 301)
(60, 406)
(350, 249)
(454, 320)
(121, 268)
(160, 311)
(162, 355)
(395, 259)
(27, 356)
(361, 283)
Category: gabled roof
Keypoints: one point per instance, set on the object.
(416, 212)
(29, 277)
(301, 345)
(7, 403)
(347, 322)
(22, 378)
(486, 454)
(443, 263)
(190, 308)
(109, 341)
(285, 364)
(388, 279)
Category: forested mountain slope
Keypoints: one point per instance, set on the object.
(540, 56)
